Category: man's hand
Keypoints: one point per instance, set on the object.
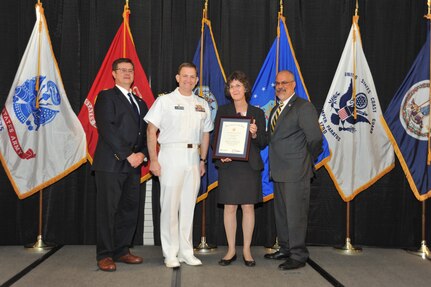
(155, 168)
(135, 159)
(202, 168)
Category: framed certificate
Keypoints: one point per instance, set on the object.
(233, 138)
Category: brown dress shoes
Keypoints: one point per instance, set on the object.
(130, 259)
(106, 264)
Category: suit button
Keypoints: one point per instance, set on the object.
(139, 133)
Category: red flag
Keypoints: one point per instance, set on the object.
(121, 47)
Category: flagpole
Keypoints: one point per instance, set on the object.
(201, 65)
(356, 27)
(280, 14)
(126, 11)
(37, 86)
(423, 251)
(39, 246)
(428, 16)
(276, 246)
(348, 248)
(203, 246)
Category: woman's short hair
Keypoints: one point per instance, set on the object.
(240, 76)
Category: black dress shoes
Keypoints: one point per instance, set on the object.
(291, 264)
(226, 262)
(277, 256)
(249, 263)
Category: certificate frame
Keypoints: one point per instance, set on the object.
(232, 138)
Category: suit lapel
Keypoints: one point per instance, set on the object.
(126, 104)
(285, 112)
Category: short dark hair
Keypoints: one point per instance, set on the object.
(119, 61)
(187, 65)
(241, 77)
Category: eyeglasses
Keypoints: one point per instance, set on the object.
(237, 86)
(283, 83)
(122, 70)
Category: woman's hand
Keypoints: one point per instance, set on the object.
(253, 129)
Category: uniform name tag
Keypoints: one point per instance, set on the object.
(178, 107)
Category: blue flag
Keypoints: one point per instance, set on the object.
(263, 93)
(407, 118)
(211, 88)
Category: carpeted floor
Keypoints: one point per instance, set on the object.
(76, 266)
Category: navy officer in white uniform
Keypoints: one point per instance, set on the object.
(184, 122)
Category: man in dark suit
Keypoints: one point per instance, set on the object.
(121, 150)
(295, 141)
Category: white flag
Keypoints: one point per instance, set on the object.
(360, 149)
(39, 144)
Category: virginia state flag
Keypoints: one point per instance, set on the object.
(281, 56)
(121, 47)
(212, 80)
(361, 152)
(41, 139)
(408, 123)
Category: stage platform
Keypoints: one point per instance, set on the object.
(76, 266)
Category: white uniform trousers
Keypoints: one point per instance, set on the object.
(179, 187)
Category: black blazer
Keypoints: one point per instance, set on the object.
(120, 131)
(257, 144)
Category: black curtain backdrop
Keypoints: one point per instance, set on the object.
(166, 33)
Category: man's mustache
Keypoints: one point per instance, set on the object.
(280, 90)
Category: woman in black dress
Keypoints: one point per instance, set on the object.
(240, 182)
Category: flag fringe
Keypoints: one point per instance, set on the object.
(43, 185)
(404, 164)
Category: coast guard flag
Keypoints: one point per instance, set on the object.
(263, 93)
(121, 47)
(39, 143)
(212, 82)
(361, 152)
(408, 119)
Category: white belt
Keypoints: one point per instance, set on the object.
(180, 145)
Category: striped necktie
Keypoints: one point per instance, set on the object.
(275, 116)
(135, 108)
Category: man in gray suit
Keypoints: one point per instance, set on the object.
(295, 141)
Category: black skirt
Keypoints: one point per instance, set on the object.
(238, 183)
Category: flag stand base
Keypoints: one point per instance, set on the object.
(273, 248)
(204, 247)
(39, 246)
(423, 251)
(348, 249)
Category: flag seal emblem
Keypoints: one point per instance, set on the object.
(24, 103)
(415, 109)
(342, 106)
